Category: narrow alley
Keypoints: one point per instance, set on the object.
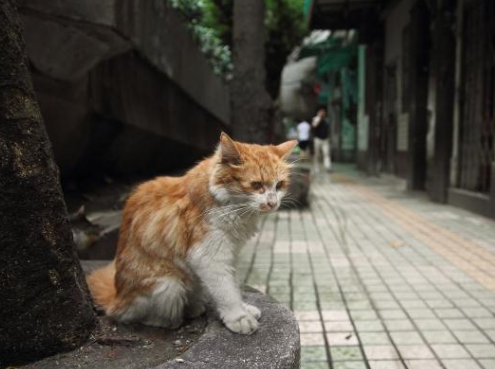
(379, 278)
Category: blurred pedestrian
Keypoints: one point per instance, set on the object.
(304, 138)
(321, 130)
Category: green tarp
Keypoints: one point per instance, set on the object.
(331, 56)
(334, 60)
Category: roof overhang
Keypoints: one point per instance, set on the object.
(344, 14)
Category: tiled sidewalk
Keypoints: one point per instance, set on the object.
(380, 279)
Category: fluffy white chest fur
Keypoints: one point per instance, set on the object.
(231, 221)
(235, 228)
(214, 263)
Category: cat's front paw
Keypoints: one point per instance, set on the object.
(244, 324)
(253, 310)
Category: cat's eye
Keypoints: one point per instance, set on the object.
(256, 185)
(280, 185)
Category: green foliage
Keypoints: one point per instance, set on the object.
(219, 15)
(211, 24)
(199, 16)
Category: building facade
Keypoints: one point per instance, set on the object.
(427, 93)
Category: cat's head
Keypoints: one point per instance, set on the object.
(256, 176)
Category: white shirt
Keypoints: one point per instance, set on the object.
(303, 131)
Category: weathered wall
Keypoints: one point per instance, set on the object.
(122, 86)
(480, 203)
(362, 116)
(396, 18)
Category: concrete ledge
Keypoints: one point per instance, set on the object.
(275, 345)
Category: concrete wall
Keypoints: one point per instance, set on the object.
(122, 85)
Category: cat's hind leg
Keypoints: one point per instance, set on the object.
(163, 305)
(166, 303)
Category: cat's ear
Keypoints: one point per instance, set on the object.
(228, 150)
(285, 149)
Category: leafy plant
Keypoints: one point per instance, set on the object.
(200, 16)
(211, 24)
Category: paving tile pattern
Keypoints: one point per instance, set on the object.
(380, 279)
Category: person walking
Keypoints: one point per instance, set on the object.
(321, 140)
(304, 137)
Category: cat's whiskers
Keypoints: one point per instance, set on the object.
(213, 211)
(220, 208)
(294, 161)
(249, 211)
(293, 174)
(291, 202)
(290, 199)
(242, 207)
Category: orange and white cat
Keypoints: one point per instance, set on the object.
(180, 237)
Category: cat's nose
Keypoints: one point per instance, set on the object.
(268, 206)
(271, 201)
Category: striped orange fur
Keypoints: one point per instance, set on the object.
(180, 235)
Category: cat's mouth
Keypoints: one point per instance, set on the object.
(267, 209)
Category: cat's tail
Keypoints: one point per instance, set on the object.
(101, 284)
